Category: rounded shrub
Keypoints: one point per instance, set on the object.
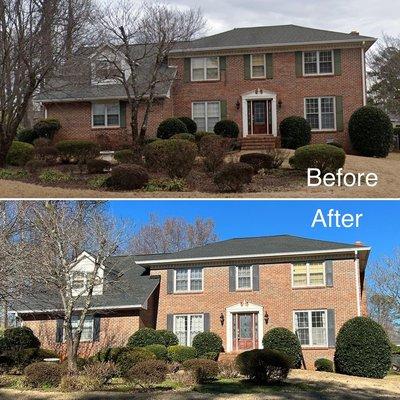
(285, 341)
(233, 176)
(371, 132)
(167, 338)
(127, 177)
(78, 150)
(213, 149)
(199, 135)
(20, 153)
(27, 136)
(362, 349)
(258, 160)
(20, 338)
(263, 366)
(47, 127)
(295, 132)
(184, 136)
(323, 364)
(207, 342)
(190, 124)
(97, 166)
(159, 350)
(24, 357)
(41, 374)
(325, 157)
(109, 354)
(127, 359)
(203, 370)
(227, 128)
(180, 353)
(144, 337)
(34, 166)
(170, 127)
(128, 156)
(147, 373)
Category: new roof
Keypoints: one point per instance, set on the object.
(279, 35)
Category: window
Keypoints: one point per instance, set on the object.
(186, 327)
(87, 330)
(206, 114)
(205, 69)
(105, 114)
(308, 274)
(244, 277)
(105, 71)
(81, 280)
(318, 62)
(320, 112)
(189, 280)
(258, 66)
(311, 327)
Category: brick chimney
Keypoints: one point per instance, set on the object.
(355, 33)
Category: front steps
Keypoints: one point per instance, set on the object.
(260, 142)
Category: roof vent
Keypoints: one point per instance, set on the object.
(355, 33)
(359, 244)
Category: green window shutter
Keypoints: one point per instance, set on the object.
(186, 72)
(122, 114)
(224, 111)
(331, 328)
(269, 71)
(299, 63)
(170, 322)
(96, 328)
(339, 114)
(222, 63)
(206, 319)
(170, 281)
(256, 278)
(59, 330)
(232, 278)
(246, 60)
(337, 55)
(329, 273)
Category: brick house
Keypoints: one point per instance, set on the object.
(238, 288)
(255, 76)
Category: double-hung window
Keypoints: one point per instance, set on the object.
(186, 327)
(311, 327)
(308, 274)
(244, 277)
(189, 280)
(105, 115)
(258, 66)
(205, 69)
(81, 280)
(206, 114)
(87, 329)
(318, 62)
(320, 112)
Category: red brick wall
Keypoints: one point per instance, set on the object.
(275, 295)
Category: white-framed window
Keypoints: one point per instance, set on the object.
(308, 274)
(258, 65)
(105, 71)
(188, 280)
(311, 327)
(318, 62)
(320, 112)
(244, 277)
(204, 68)
(81, 281)
(206, 114)
(187, 326)
(87, 329)
(105, 115)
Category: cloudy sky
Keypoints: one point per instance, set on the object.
(369, 17)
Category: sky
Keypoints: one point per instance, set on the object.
(369, 17)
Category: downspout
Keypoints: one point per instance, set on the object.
(358, 286)
(364, 76)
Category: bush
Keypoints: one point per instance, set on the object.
(323, 364)
(203, 370)
(233, 176)
(286, 342)
(147, 373)
(263, 366)
(170, 127)
(109, 354)
(166, 185)
(80, 383)
(371, 132)
(41, 374)
(159, 350)
(191, 126)
(21, 338)
(24, 357)
(128, 156)
(207, 342)
(53, 176)
(97, 166)
(325, 157)
(27, 136)
(45, 151)
(128, 177)
(103, 371)
(97, 182)
(199, 135)
(227, 128)
(34, 166)
(336, 144)
(258, 161)
(20, 153)
(79, 151)
(362, 349)
(214, 149)
(180, 353)
(184, 136)
(127, 359)
(13, 174)
(47, 128)
(167, 338)
(228, 369)
(175, 156)
(6, 364)
(144, 337)
(211, 355)
(295, 132)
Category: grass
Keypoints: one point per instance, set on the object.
(13, 174)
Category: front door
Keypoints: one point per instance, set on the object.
(245, 331)
(260, 116)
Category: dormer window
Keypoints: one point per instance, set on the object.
(81, 281)
(105, 71)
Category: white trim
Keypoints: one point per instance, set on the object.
(251, 66)
(320, 112)
(310, 346)
(80, 309)
(244, 256)
(243, 308)
(204, 69)
(106, 115)
(318, 73)
(364, 82)
(308, 277)
(188, 325)
(358, 285)
(259, 94)
(45, 112)
(206, 111)
(189, 279)
(237, 288)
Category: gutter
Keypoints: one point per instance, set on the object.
(128, 307)
(87, 99)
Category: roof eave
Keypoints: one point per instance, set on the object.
(99, 308)
(83, 99)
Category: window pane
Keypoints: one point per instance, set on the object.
(258, 72)
(212, 68)
(201, 124)
(78, 280)
(244, 277)
(196, 326)
(310, 62)
(181, 279)
(325, 62)
(213, 109)
(301, 326)
(181, 329)
(316, 274)
(258, 66)
(196, 279)
(211, 124)
(199, 110)
(113, 120)
(198, 74)
(318, 328)
(327, 113)
(300, 275)
(198, 69)
(312, 112)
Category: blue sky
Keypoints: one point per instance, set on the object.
(379, 227)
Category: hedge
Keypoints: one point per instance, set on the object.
(295, 132)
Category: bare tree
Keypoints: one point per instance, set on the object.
(172, 234)
(142, 36)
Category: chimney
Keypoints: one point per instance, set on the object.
(355, 33)
(359, 244)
